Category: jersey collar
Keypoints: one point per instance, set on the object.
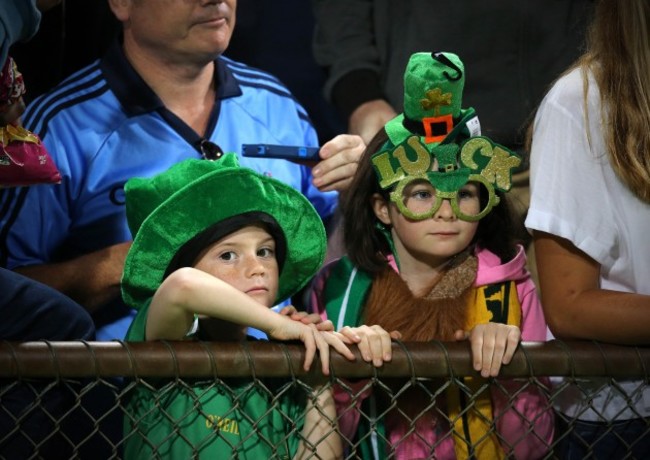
(137, 97)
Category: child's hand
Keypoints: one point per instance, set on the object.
(374, 342)
(307, 318)
(493, 344)
(313, 339)
(323, 341)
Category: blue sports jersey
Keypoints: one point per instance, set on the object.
(104, 125)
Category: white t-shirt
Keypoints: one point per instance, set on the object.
(576, 195)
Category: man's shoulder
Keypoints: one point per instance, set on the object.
(256, 82)
(84, 96)
(249, 75)
(263, 96)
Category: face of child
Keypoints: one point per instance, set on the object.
(432, 241)
(246, 260)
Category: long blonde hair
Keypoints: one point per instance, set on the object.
(618, 55)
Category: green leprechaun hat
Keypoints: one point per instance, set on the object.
(166, 211)
(436, 144)
(433, 96)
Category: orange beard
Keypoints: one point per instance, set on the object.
(434, 316)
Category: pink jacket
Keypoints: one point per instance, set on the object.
(528, 411)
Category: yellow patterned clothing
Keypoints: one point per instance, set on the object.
(474, 430)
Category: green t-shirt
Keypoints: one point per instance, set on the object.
(208, 418)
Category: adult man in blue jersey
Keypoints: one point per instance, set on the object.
(162, 94)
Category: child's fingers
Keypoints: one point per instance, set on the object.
(375, 345)
(461, 335)
(337, 341)
(309, 340)
(492, 346)
(513, 338)
(303, 316)
(288, 310)
(314, 318)
(485, 355)
(343, 338)
(350, 333)
(506, 341)
(476, 344)
(395, 335)
(323, 349)
(482, 340)
(498, 346)
(307, 318)
(386, 345)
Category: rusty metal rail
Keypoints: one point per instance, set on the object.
(272, 359)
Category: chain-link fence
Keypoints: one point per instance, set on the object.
(179, 400)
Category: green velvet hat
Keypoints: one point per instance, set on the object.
(166, 211)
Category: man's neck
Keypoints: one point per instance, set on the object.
(185, 88)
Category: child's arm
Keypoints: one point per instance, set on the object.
(189, 291)
(320, 429)
(493, 344)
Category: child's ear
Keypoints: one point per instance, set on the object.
(380, 208)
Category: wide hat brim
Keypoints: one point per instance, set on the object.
(208, 200)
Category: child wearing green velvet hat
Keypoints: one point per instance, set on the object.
(223, 243)
(431, 252)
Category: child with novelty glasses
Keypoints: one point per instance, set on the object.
(432, 254)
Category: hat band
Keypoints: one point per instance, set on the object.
(433, 129)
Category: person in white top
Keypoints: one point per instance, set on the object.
(589, 216)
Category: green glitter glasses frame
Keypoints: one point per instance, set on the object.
(418, 199)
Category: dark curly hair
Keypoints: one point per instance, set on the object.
(366, 246)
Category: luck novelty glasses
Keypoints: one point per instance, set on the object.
(421, 178)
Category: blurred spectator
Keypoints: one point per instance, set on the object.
(590, 214)
(512, 51)
(35, 417)
(29, 412)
